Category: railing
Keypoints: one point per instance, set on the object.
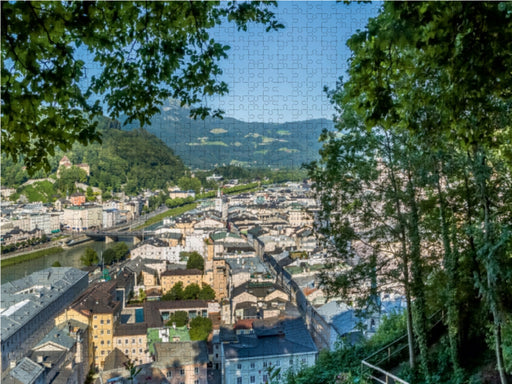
(376, 366)
(385, 378)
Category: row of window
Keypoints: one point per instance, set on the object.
(182, 372)
(267, 364)
(252, 379)
(119, 341)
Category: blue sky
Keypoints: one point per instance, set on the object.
(280, 76)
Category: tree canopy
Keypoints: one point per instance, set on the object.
(415, 183)
(146, 52)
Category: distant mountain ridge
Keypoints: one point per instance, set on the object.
(212, 142)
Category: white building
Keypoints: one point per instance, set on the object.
(81, 218)
(156, 249)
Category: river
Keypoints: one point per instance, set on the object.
(68, 258)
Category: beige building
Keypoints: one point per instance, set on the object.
(131, 339)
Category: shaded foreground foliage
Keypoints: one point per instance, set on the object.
(416, 182)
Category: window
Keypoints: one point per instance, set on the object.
(133, 351)
(95, 326)
(119, 341)
(101, 321)
(291, 361)
(278, 363)
(126, 341)
(264, 366)
(182, 372)
(239, 366)
(102, 342)
(196, 370)
(95, 336)
(140, 350)
(253, 379)
(140, 340)
(102, 353)
(95, 317)
(108, 342)
(238, 380)
(133, 341)
(108, 321)
(126, 351)
(265, 378)
(101, 332)
(169, 374)
(108, 331)
(252, 367)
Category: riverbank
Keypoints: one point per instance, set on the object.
(17, 259)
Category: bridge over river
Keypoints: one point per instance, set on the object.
(114, 235)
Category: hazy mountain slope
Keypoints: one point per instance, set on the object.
(210, 142)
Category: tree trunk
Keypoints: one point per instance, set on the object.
(482, 176)
(450, 265)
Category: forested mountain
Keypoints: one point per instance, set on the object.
(136, 158)
(215, 142)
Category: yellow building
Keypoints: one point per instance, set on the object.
(186, 276)
(96, 308)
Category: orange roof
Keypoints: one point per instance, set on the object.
(243, 324)
(309, 291)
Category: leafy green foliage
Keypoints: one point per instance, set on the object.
(191, 292)
(179, 318)
(56, 264)
(206, 293)
(175, 293)
(200, 328)
(147, 53)
(108, 256)
(195, 261)
(189, 184)
(90, 257)
(421, 157)
(67, 179)
(120, 249)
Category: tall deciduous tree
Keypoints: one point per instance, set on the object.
(442, 72)
(147, 51)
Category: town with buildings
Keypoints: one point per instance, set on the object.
(260, 255)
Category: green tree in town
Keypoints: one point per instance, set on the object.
(195, 261)
(120, 249)
(178, 318)
(89, 258)
(200, 328)
(175, 293)
(146, 52)
(108, 256)
(191, 292)
(207, 293)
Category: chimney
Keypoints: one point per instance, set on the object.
(39, 358)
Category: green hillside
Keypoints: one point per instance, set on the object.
(212, 142)
(136, 159)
